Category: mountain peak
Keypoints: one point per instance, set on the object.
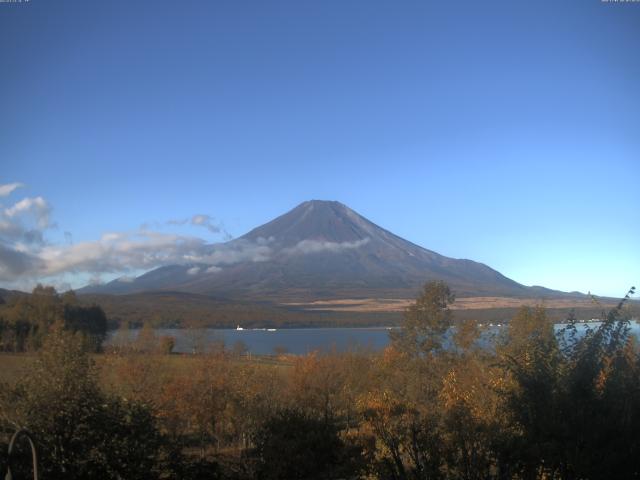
(322, 202)
(323, 207)
(324, 220)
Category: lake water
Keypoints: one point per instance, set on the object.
(265, 342)
(298, 340)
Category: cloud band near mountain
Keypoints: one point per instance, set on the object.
(26, 256)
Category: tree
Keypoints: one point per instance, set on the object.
(81, 432)
(121, 342)
(194, 405)
(146, 341)
(316, 383)
(401, 413)
(29, 318)
(90, 321)
(240, 349)
(166, 344)
(294, 445)
(574, 398)
(426, 321)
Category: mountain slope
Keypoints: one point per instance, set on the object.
(320, 249)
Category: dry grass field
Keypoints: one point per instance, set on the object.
(467, 303)
(110, 367)
(13, 365)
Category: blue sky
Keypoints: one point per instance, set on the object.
(505, 132)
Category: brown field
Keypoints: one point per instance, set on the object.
(14, 365)
(467, 303)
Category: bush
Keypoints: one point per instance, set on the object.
(293, 445)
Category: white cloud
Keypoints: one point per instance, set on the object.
(7, 189)
(316, 246)
(232, 252)
(36, 207)
(193, 271)
(119, 252)
(143, 250)
(25, 255)
(203, 220)
(24, 222)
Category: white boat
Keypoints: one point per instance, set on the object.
(271, 329)
(239, 328)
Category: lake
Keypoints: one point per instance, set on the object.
(265, 342)
(298, 340)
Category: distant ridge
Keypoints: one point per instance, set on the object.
(322, 249)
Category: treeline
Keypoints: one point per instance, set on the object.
(25, 320)
(536, 404)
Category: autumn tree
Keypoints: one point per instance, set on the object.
(574, 397)
(316, 383)
(294, 445)
(259, 390)
(192, 407)
(146, 341)
(426, 321)
(81, 432)
(400, 412)
(166, 344)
